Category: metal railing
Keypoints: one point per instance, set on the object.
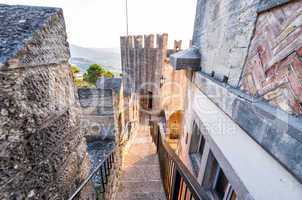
(179, 183)
(102, 170)
(100, 175)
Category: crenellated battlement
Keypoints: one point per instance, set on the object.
(150, 41)
(143, 57)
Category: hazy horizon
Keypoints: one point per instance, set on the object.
(100, 23)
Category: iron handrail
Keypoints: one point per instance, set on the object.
(110, 156)
(177, 172)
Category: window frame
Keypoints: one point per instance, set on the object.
(229, 189)
(195, 153)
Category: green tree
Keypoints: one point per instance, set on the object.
(108, 74)
(93, 73)
(75, 70)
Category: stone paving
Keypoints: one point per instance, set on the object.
(140, 176)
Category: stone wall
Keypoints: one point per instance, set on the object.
(273, 69)
(97, 113)
(173, 87)
(142, 61)
(222, 33)
(100, 108)
(43, 151)
(253, 45)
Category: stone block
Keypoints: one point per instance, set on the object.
(162, 41)
(149, 41)
(187, 59)
(138, 41)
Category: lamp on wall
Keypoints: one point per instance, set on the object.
(162, 81)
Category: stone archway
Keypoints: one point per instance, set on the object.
(175, 125)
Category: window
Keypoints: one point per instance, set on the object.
(216, 181)
(150, 100)
(196, 148)
(221, 185)
(201, 146)
(225, 79)
(187, 138)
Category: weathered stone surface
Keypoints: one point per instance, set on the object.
(187, 59)
(265, 5)
(274, 69)
(223, 30)
(98, 120)
(32, 36)
(96, 101)
(142, 63)
(42, 147)
(39, 124)
(109, 84)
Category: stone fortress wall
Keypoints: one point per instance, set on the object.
(142, 62)
(146, 71)
(97, 107)
(43, 151)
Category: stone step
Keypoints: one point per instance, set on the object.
(140, 160)
(141, 196)
(141, 186)
(143, 140)
(142, 149)
(140, 177)
(144, 133)
(142, 173)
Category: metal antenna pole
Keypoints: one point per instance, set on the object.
(127, 24)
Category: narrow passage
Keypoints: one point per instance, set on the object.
(140, 178)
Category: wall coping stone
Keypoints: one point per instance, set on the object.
(278, 132)
(18, 25)
(187, 59)
(265, 5)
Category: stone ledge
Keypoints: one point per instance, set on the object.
(278, 132)
(265, 5)
(187, 59)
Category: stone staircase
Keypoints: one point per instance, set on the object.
(140, 176)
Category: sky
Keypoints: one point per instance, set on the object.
(100, 23)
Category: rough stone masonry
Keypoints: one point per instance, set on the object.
(42, 151)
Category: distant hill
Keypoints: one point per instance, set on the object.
(107, 57)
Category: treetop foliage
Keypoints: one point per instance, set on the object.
(94, 72)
